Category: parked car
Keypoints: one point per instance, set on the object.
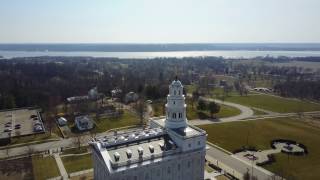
(33, 116)
(37, 128)
(7, 130)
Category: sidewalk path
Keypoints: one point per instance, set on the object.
(62, 170)
(246, 112)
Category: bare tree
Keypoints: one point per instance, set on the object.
(50, 122)
(195, 97)
(78, 141)
(140, 107)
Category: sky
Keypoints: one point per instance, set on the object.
(159, 21)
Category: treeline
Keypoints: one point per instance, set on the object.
(299, 89)
(47, 81)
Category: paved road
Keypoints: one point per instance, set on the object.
(246, 112)
(235, 166)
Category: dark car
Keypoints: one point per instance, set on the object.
(33, 116)
(7, 130)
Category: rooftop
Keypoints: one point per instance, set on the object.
(189, 131)
(137, 146)
(141, 151)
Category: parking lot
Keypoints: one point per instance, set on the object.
(20, 122)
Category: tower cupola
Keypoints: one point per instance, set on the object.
(176, 107)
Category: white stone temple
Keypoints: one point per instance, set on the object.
(169, 149)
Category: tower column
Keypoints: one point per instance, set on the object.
(176, 107)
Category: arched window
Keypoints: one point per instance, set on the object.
(179, 92)
(174, 92)
(174, 115)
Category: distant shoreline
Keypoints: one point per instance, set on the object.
(167, 54)
(170, 47)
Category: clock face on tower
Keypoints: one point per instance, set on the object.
(176, 107)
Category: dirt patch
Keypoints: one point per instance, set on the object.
(16, 169)
(88, 176)
(312, 120)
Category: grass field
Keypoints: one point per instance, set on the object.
(232, 136)
(33, 138)
(190, 88)
(77, 163)
(127, 119)
(193, 113)
(83, 149)
(276, 104)
(257, 112)
(44, 168)
(158, 108)
(263, 83)
(225, 111)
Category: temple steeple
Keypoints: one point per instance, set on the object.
(176, 107)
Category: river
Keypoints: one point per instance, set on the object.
(178, 54)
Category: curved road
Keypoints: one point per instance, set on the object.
(246, 112)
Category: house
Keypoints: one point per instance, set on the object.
(83, 123)
(116, 93)
(93, 93)
(131, 97)
(262, 89)
(62, 121)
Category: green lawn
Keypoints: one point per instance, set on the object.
(190, 88)
(219, 92)
(232, 136)
(33, 138)
(44, 168)
(276, 104)
(127, 119)
(193, 113)
(225, 111)
(77, 163)
(158, 108)
(263, 83)
(257, 112)
(83, 149)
